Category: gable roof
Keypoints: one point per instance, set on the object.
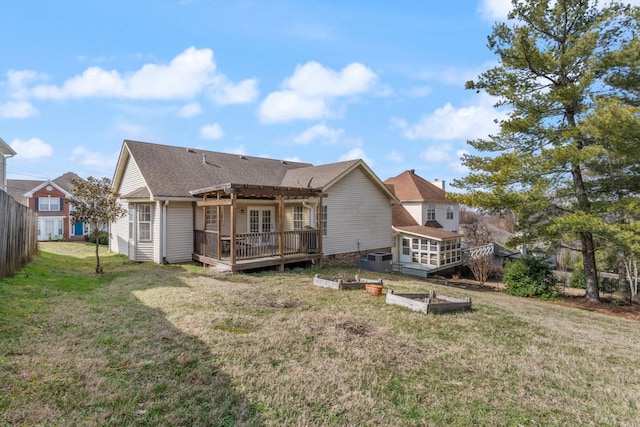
(171, 171)
(409, 187)
(6, 149)
(22, 189)
(325, 176)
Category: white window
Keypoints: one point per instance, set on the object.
(132, 216)
(324, 222)
(431, 213)
(298, 217)
(144, 223)
(449, 212)
(49, 203)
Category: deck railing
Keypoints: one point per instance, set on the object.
(257, 245)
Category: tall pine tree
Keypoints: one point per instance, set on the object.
(560, 62)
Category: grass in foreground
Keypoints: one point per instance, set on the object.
(177, 345)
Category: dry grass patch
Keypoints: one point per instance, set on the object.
(179, 345)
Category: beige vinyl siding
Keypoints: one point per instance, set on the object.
(358, 211)
(179, 232)
(131, 180)
(119, 235)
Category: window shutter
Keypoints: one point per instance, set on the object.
(36, 199)
(61, 203)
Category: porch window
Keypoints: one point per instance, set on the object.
(211, 215)
(449, 212)
(298, 217)
(431, 213)
(144, 223)
(325, 222)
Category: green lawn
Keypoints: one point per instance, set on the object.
(179, 345)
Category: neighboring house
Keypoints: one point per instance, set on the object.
(425, 226)
(50, 200)
(237, 212)
(5, 151)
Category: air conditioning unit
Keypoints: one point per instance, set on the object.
(379, 261)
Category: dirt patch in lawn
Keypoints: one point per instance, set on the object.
(607, 305)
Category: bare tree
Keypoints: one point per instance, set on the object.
(482, 266)
(96, 205)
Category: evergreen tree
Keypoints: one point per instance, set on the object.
(561, 63)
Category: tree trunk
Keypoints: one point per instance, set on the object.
(98, 267)
(592, 293)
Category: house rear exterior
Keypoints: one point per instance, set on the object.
(239, 212)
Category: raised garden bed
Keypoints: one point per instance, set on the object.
(429, 303)
(345, 283)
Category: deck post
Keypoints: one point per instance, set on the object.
(233, 229)
(281, 228)
(319, 228)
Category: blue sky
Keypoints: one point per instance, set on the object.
(311, 81)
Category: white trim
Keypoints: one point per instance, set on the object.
(29, 194)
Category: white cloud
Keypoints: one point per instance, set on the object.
(449, 122)
(287, 106)
(31, 149)
(17, 110)
(319, 132)
(395, 156)
(357, 153)
(308, 93)
(93, 159)
(212, 131)
(189, 74)
(437, 153)
(190, 110)
(495, 10)
(244, 92)
(312, 79)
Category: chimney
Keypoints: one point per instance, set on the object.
(439, 184)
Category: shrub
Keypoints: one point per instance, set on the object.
(529, 277)
(578, 279)
(101, 236)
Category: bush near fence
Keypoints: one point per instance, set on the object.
(18, 235)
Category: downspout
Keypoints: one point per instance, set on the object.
(4, 171)
(164, 232)
(311, 205)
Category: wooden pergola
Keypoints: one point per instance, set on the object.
(229, 194)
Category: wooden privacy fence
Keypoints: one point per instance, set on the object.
(18, 235)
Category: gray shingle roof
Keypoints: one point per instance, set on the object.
(171, 171)
(316, 176)
(16, 188)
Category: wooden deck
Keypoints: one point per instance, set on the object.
(256, 250)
